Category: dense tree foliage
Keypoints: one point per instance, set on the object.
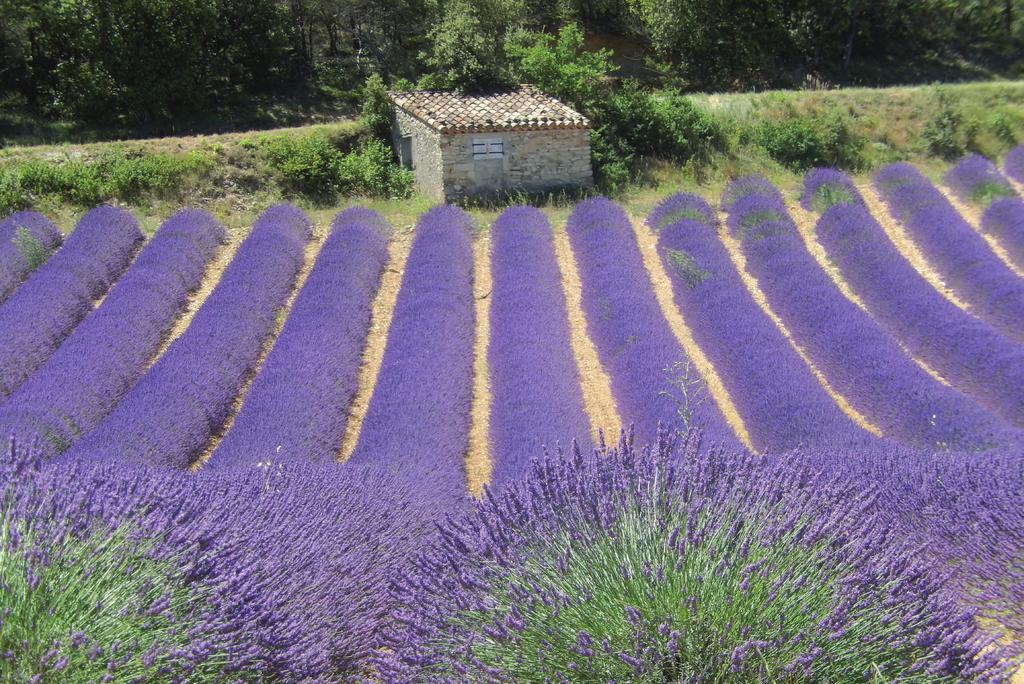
(151, 60)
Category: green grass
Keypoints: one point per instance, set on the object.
(100, 599)
(827, 196)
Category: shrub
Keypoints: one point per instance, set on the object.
(371, 170)
(12, 197)
(305, 164)
(1002, 128)
(665, 566)
(89, 182)
(312, 165)
(803, 142)
(689, 131)
(946, 134)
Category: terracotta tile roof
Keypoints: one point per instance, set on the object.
(516, 109)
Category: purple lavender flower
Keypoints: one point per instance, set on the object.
(965, 511)
(418, 419)
(1004, 219)
(1013, 164)
(976, 179)
(26, 239)
(652, 378)
(781, 402)
(960, 255)
(824, 188)
(854, 353)
(170, 414)
(744, 186)
(296, 406)
(534, 382)
(104, 356)
(272, 575)
(869, 603)
(61, 291)
(965, 350)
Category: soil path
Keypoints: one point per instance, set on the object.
(478, 457)
(383, 308)
(598, 400)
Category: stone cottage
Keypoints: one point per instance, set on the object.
(486, 145)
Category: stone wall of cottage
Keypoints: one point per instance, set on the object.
(426, 152)
(533, 162)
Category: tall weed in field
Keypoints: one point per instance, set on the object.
(803, 142)
(32, 249)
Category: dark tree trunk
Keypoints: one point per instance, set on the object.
(851, 34)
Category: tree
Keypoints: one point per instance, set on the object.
(559, 65)
(717, 43)
(465, 52)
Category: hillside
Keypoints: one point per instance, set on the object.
(234, 176)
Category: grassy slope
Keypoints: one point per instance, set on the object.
(236, 185)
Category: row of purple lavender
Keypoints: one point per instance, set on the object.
(297, 406)
(169, 416)
(112, 347)
(782, 403)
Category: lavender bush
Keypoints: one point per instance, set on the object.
(961, 256)
(123, 572)
(964, 511)
(857, 356)
(976, 179)
(652, 378)
(1013, 164)
(26, 240)
(535, 385)
(418, 420)
(965, 350)
(170, 415)
(46, 308)
(296, 406)
(781, 402)
(1004, 219)
(663, 567)
(114, 344)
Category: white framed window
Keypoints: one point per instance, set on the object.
(488, 148)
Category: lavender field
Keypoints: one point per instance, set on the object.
(754, 437)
